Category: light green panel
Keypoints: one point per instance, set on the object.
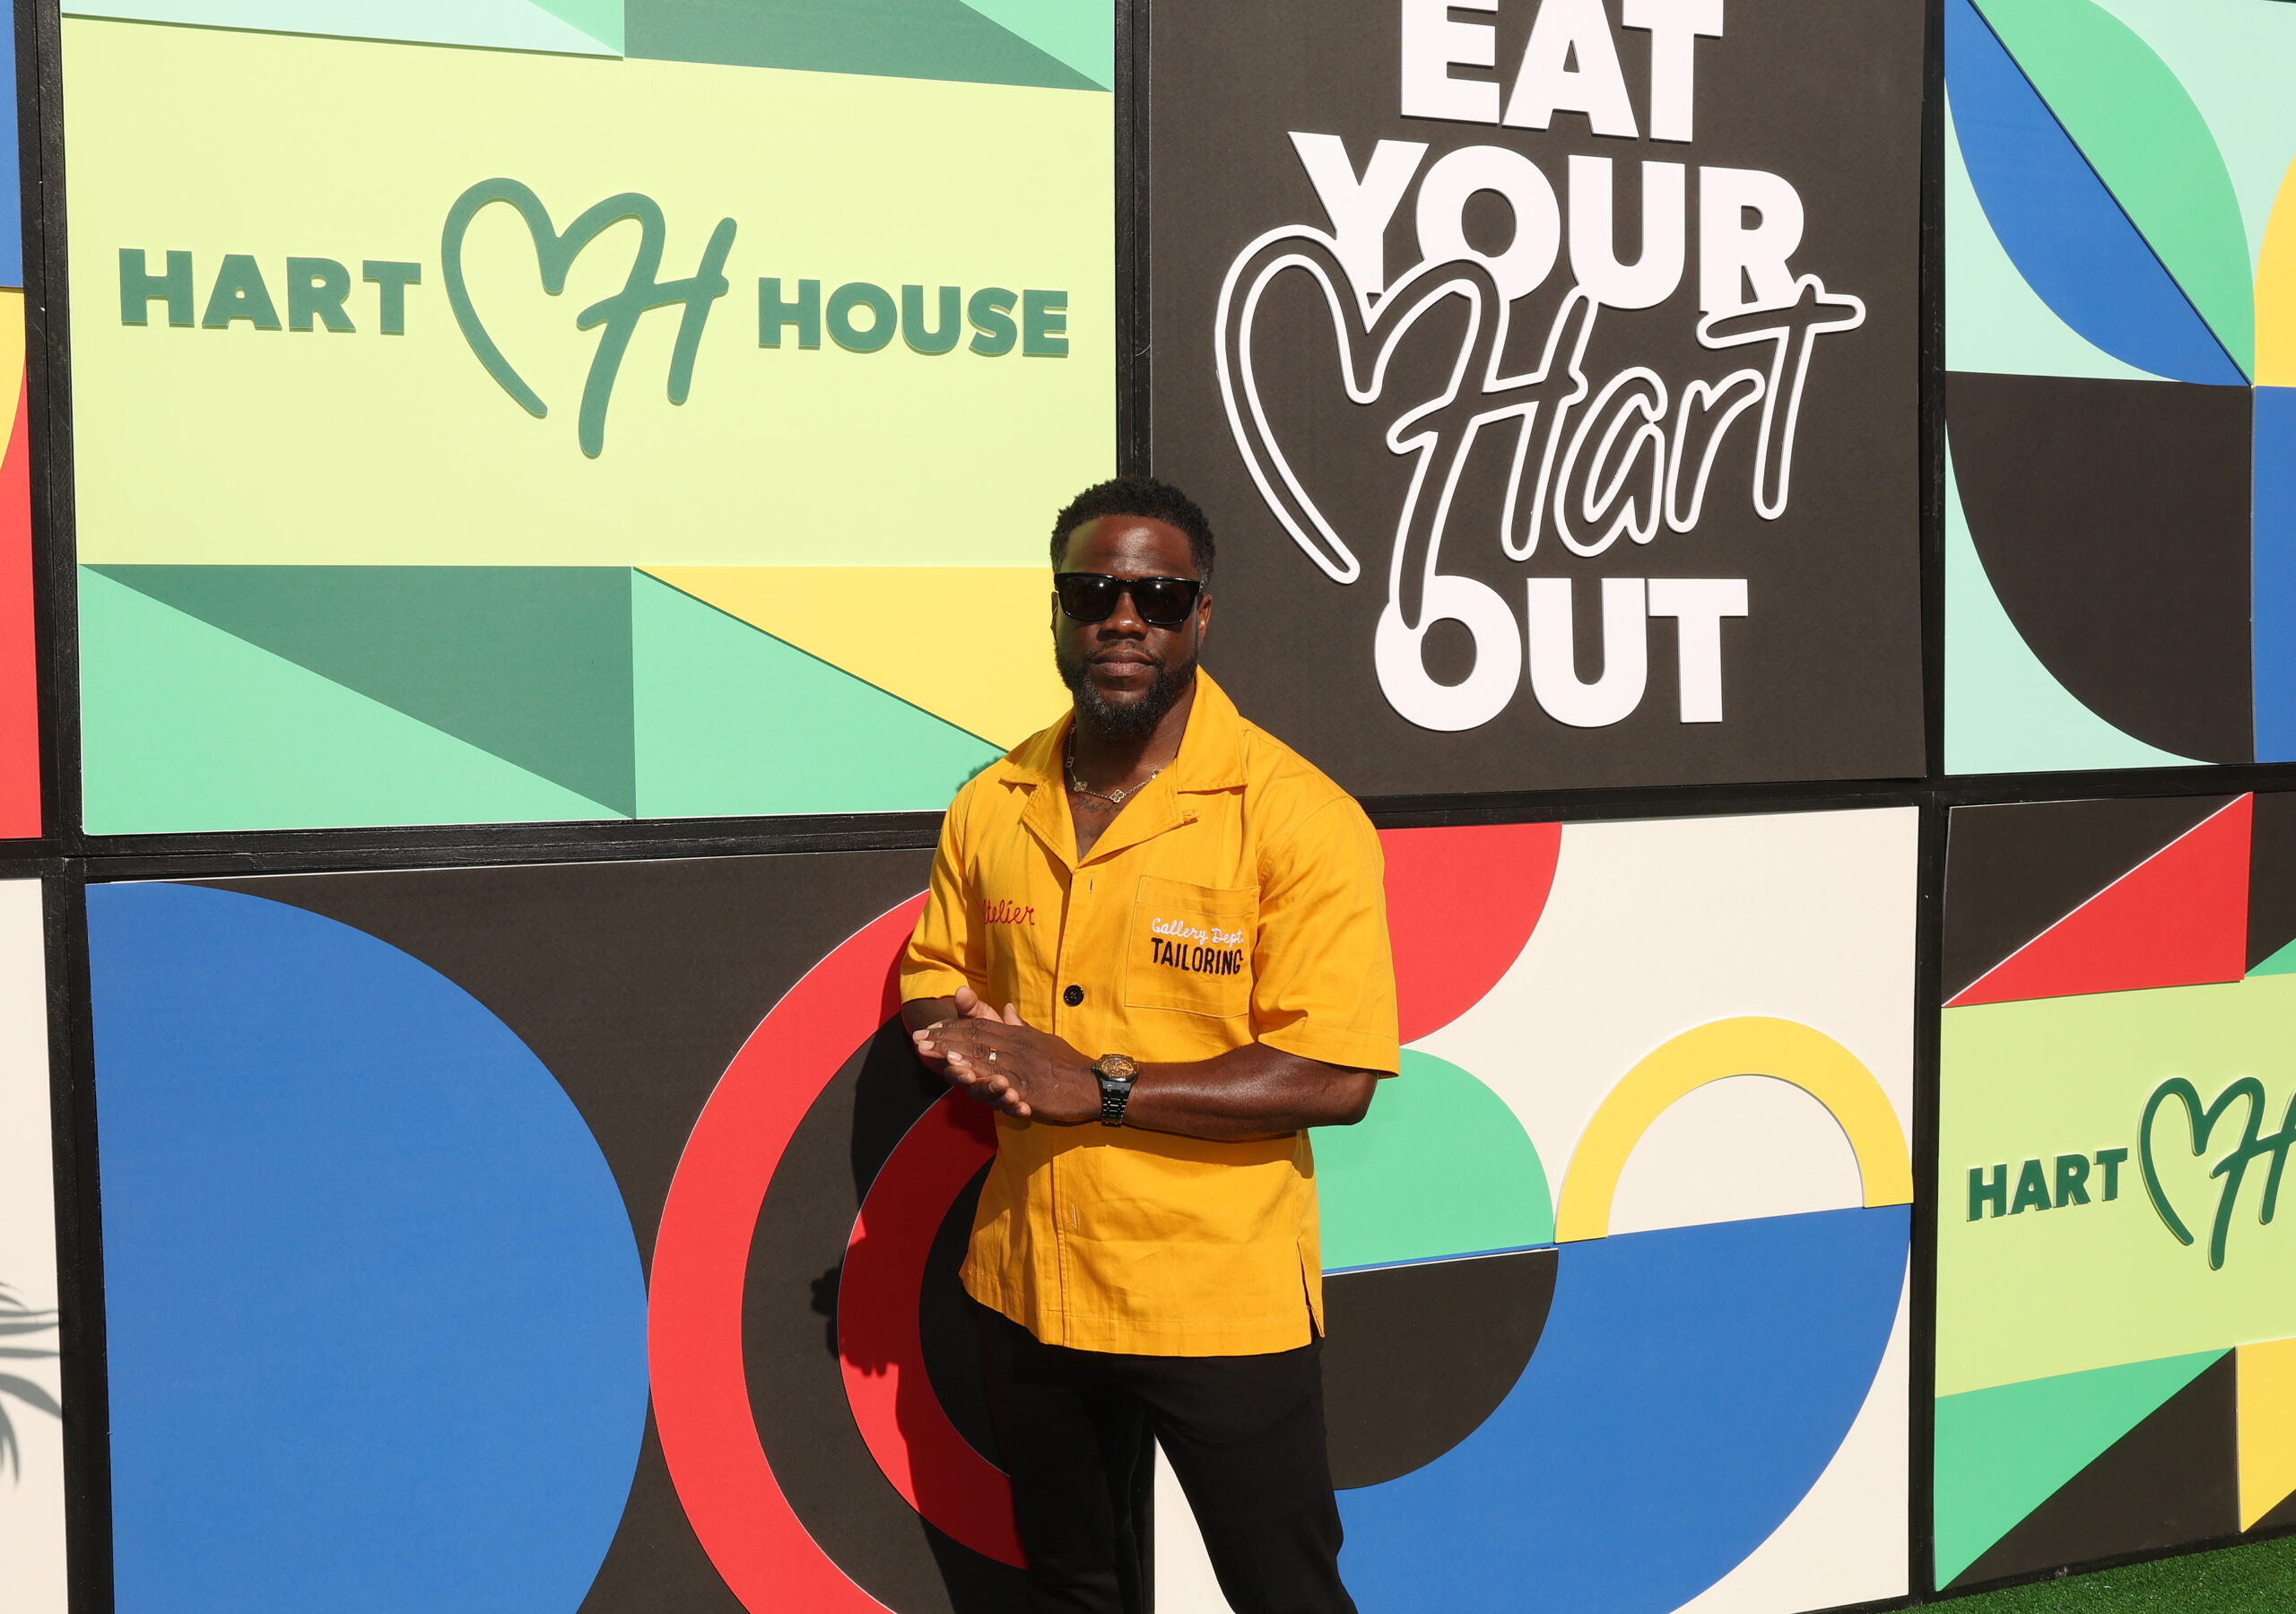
(1994, 321)
(2140, 132)
(731, 720)
(2004, 711)
(1080, 32)
(2236, 58)
(1441, 1167)
(185, 728)
(2002, 1452)
(498, 24)
(2047, 1292)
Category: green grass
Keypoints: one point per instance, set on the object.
(2258, 1579)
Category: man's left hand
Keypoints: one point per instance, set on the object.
(1009, 1066)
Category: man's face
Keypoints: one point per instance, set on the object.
(1126, 673)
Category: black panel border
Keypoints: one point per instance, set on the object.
(67, 861)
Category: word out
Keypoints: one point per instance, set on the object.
(317, 290)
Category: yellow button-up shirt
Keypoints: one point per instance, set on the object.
(1237, 898)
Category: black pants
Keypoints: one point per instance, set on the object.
(1245, 1436)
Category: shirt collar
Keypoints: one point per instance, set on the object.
(1212, 750)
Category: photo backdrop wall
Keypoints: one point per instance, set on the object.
(501, 1153)
(1552, 371)
(2120, 533)
(2115, 1331)
(578, 427)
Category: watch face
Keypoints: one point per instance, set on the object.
(1116, 1067)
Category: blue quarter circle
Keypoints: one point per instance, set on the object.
(2062, 227)
(376, 1318)
(1691, 1386)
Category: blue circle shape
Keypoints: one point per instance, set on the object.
(376, 1314)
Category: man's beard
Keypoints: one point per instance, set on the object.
(1136, 721)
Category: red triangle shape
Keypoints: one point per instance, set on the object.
(2179, 918)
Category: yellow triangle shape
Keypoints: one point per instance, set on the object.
(972, 645)
(2267, 1402)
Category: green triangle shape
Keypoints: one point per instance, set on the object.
(2282, 962)
(185, 729)
(599, 19)
(1439, 1166)
(733, 721)
(2002, 1452)
(2149, 144)
(891, 39)
(2005, 712)
(531, 663)
(1079, 32)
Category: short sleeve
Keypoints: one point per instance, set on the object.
(1323, 975)
(942, 952)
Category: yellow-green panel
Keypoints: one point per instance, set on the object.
(285, 447)
(2025, 1294)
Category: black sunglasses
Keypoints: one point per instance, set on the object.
(1092, 597)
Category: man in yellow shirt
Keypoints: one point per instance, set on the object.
(1157, 946)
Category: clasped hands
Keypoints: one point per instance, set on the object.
(1009, 1066)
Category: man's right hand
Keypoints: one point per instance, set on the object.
(921, 1014)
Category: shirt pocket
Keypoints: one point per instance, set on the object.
(1191, 948)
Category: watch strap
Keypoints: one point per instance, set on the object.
(1116, 1074)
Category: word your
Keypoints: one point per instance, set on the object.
(1004, 911)
(1571, 64)
(1197, 960)
(2202, 1125)
(1041, 331)
(2033, 1185)
(317, 290)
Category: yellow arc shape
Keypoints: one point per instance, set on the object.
(972, 645)
(2276, 290)
(1749, 1045)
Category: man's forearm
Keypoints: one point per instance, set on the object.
(1254, 1091)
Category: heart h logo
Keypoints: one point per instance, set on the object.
(2202, 1122)
(641, 293)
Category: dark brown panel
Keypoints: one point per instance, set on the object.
(2012, 871)
(2271, 875)
(1822, 678)
(2112, 518)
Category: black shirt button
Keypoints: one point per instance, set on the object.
(1073, 996)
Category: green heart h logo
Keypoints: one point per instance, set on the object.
(619, 314)
(2232, 1168)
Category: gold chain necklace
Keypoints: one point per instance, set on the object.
(1114, 797)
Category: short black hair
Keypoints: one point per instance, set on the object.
(1137, 496)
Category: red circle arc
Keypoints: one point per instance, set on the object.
(701, 1400)
(882, 1352)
